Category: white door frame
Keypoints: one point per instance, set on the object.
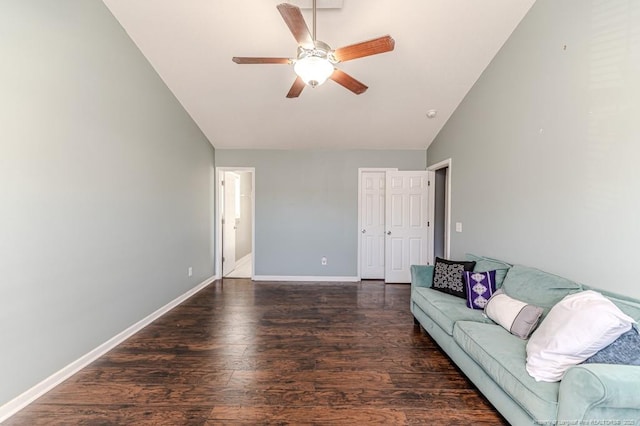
(360, 171)
(447, 214)
(218, 222)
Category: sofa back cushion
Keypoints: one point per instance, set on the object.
(537, 287)
(629, 307)
(626, 304)
(485, 264)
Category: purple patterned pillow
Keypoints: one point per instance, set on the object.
(479, 287)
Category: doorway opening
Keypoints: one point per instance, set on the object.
(442, 209)
(235, 222)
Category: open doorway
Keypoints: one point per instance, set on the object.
(442, 209)
(235, 223)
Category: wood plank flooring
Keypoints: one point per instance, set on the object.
(272, 353)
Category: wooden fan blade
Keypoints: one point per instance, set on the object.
(244, 60)
(345, 80)
(365, 48)
(298, 27)
(296, 89)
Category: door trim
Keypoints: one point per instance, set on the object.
(360, 171)
(218, 218)
(447, 214)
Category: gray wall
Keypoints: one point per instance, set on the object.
(546, 145)
(105, 188)
(307, 206)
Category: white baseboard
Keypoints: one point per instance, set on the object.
(30, 395)
(304, 278)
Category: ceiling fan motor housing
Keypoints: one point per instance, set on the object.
(315, 65)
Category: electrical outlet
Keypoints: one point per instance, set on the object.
(323, 261)
(190, 271)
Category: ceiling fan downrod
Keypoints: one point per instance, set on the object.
(314, 64)
(314, 21)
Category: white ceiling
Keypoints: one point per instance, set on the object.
(442, 47)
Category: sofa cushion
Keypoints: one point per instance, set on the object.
(445, 309)
(502, 356)
(537, 287)
(447, 276)
(484, 264)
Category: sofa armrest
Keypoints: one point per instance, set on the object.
(421, 275)
(600, 392)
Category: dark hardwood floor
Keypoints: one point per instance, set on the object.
(272, 353)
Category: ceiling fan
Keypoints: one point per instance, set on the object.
(315, 61)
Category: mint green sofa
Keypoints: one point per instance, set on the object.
(494, 360)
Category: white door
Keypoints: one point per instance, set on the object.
(229, 223)
(408, 232)
(372, 225)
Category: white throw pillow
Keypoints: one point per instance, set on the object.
(517, 317)
(575, 329)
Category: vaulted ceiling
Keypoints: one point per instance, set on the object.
(442, 47)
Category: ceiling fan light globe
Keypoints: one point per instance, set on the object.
(313, 70)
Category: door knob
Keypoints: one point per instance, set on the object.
(388, 232)
(364, 231)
